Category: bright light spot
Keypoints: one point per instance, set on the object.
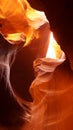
(54, 51)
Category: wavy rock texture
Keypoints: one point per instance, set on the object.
(52, 91)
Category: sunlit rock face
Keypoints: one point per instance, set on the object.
(25, 21)
(20, 18)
